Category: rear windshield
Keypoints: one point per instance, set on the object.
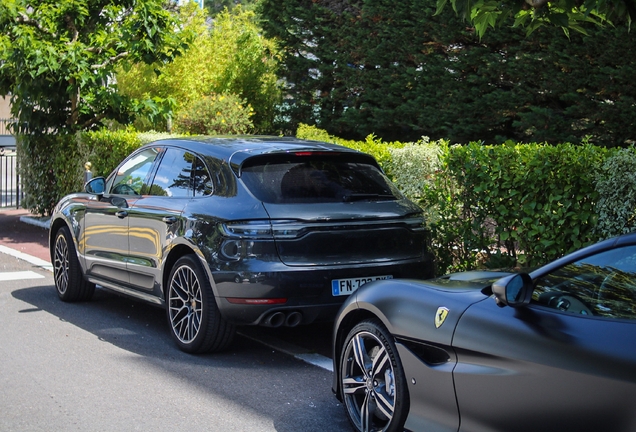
(316, 179)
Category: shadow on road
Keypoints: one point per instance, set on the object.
(295, 395)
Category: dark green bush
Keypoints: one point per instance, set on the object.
(616, 186)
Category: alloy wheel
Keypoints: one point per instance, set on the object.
(185, 304)
(61, 264)
(368, 382)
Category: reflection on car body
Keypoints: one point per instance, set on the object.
(552, 350)
(229, 231)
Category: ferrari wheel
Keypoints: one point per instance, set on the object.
(195, 321)
(372, 379)
(69, 280)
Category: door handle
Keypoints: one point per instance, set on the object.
(169, 219)
(121, 214)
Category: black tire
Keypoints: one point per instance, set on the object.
(195, 321)
(372, 378)
(70, 283)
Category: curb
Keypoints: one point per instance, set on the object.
(42, 222)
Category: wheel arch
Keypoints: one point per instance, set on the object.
(55, 226)
(178, 251)
(342, 329)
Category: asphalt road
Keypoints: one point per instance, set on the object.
(110, 365)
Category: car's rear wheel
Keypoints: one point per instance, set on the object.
(195, 321)
(69, 280)
(372, 379)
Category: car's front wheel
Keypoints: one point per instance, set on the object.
(195, 321)
(372, 379)
(69, 280)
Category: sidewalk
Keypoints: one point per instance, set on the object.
(24, 233)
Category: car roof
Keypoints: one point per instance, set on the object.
(236, 149)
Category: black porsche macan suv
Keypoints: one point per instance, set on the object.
(226, 231)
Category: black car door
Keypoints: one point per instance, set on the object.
(565, 362)
(155, 218)
(105, 237)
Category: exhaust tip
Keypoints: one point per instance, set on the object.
(276, 319)
(293, 319)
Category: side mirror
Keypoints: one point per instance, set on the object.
(96, 186)
(514, 290)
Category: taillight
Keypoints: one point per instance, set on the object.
(245, 239)
(279, 229)
(416, 222)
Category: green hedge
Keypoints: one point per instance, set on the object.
(526, 203)
(616, 185)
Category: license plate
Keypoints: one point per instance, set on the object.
(340, 287)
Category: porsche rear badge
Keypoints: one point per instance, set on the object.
(440, 316)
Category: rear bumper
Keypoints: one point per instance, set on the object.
(306, 290)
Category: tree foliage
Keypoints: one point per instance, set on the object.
(401, 71)
(532, 14)
(228, 55)
(57, 58)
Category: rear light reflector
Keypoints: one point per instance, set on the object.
(256, 301)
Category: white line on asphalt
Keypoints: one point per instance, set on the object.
(19, 275)
(26, 257)
(294, 351)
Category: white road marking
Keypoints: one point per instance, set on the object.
(19, 275)
(26, 257)
(294, 351)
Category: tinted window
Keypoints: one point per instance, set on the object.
(174, 175)
(131, 177)
(317, 179)
(604, 283)
(201, 179)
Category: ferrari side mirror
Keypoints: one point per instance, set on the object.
(514, 290)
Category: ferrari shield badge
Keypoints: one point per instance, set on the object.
(440, 316)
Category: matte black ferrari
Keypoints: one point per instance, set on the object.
(553, 350)
(228, 231)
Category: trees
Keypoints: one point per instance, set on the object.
(532, 14)
(57, 58)
(399, 70)
(228, 55)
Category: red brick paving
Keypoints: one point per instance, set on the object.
(22, 236)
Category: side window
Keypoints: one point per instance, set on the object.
(131, 177)
(603, 285)
(174, 175)
(201, 179)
